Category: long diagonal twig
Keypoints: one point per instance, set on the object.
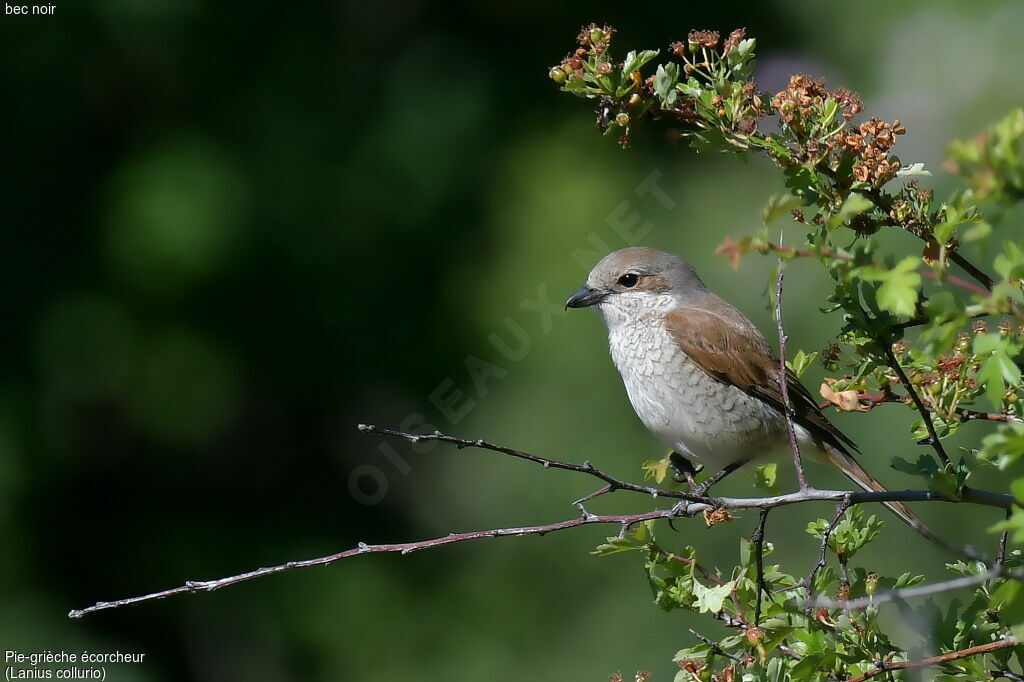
(938, 660)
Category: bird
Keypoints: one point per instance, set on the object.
(701, 376)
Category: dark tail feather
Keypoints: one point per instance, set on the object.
(852, 469)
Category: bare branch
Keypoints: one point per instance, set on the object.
(926, 416)
(942, 658)
(783, 383)
(585, 468)
(872, 400)
(690, 505)
(362, 548)
(758, 540)
(969, 415)
(1001, 554)
(911, 592)
(700, 503)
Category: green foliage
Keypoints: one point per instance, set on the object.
(850, 535)
(915, 331)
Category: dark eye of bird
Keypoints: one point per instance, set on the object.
(629, 280)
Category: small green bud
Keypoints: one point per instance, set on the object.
(871, 583)
(557, 74)
(596, 36)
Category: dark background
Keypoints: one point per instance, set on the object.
(232, 231)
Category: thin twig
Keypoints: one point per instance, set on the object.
(911, 592)
(1001, 555)
(970, 415)
(783, 383)
(758, 540)
(585, 468)
(714, 646)
(825, 535)
(873, 400)
(937, 660)
(926, 416)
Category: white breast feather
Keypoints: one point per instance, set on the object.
(687, 409)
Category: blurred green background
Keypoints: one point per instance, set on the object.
(233, 231)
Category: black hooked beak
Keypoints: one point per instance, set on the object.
(585, 296)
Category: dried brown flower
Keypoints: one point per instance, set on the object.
(692, 665)
(595, 35)
(707, 39)
(716, 516)
(734, 39)
(727, 674)
(849, 100)
(746, 124)
(950, 364)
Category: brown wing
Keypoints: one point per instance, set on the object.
(726, 345)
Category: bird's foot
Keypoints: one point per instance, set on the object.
(685, 471)
(702, 489)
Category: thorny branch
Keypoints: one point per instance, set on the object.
(693, 505)
(908, 386)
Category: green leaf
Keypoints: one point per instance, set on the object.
(900, 464)
(899, 289)
(711, 599)
(779, 205)
(854, 205)
(1010, 263)
(1009, 601)
(665, 80)
(913, 170)
(1005, 446)
(801, 361)
(657, 469)
(1013, 525)
(766, 477)
(1017, 488)
(635, 61)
